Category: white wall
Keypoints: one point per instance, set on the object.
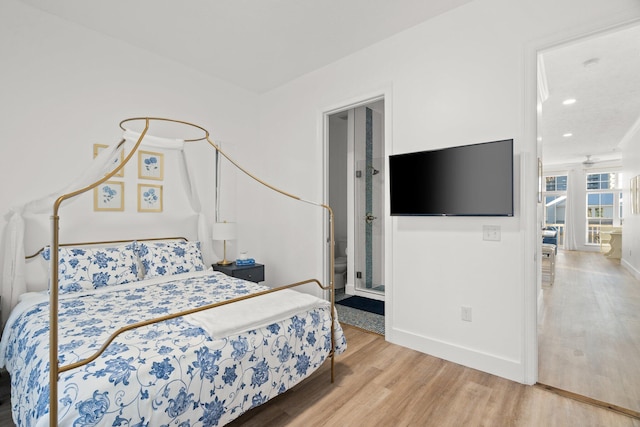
(631, 226)
(456, 79)
(64, 88)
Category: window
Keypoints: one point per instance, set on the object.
(604, 207)
(555, 204)
(556, 183)
(601, 181)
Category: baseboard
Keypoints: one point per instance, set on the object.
(630, 268)
(510, 369)
(350, 289)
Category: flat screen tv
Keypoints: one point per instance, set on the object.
(470, 180)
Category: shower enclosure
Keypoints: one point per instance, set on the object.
(356, 178)
(368, 200)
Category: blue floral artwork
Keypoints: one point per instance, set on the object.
(150, 165)
(149, 198)
(109, 196)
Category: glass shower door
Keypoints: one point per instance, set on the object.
(369, 191)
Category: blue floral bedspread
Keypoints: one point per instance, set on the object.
(170, 373)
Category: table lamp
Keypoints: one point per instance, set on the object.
(224, 231)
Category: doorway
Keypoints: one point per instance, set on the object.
(356, 183)
(587, 343)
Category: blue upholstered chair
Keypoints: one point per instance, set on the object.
(552, 240)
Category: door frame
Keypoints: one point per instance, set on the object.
(323, 135)
(532, 215)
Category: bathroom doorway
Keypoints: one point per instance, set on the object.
(356, 175)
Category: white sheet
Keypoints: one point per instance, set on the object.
(254, 313)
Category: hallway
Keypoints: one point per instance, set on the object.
(589, 330)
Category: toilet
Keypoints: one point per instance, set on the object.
(340, 264)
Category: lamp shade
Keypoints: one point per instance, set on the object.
(224, 231)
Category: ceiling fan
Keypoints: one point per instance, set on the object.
(588, 162)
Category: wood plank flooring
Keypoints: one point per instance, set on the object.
(589, 330)
(382, 384)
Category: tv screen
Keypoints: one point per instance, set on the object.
(470, 180)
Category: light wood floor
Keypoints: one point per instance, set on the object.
(382, 384)
(589, 329)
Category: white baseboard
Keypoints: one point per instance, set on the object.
(635, 272)
(350, 289)
(492, 364)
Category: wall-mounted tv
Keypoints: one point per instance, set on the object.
(469, 180)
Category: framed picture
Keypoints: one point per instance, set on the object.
(149, 198)
(99, 147)
(109, 196)
(635, 195)
(540, 180)
(150, 165)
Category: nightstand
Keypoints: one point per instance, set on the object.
(252, 273)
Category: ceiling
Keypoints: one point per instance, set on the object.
(602, 73)
(254, 44)
(261, 44)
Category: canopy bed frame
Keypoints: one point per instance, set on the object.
(56, 367)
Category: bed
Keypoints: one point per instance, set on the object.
(146, 335)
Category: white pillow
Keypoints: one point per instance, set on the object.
(169, 258)
(81, 269)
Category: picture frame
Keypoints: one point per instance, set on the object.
(540, 180)
(150, 198)
(635, 195)
(150, 165)
(97, 148)
(109, 196)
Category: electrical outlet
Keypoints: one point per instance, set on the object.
(465, 313)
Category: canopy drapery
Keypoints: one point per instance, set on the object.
(12, 249)
(572, 213)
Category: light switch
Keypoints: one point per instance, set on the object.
(491, 232)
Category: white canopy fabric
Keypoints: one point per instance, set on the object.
(12, 251)
(572, 213)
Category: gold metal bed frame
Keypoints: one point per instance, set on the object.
(55, 368)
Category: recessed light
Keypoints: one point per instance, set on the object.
(567, 135)
(569, 101)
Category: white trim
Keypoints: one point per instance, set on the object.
(378, 296)
(385, 94)
(531, 51)
(634, 272)
(486, 362)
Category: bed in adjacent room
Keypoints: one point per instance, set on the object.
(148, 335)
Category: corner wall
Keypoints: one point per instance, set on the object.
(631, 225)
(64, 88)
(456, 79)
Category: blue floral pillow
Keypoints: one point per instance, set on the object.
(169, 258)
(81, 269)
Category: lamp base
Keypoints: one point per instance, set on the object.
(225, 262)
